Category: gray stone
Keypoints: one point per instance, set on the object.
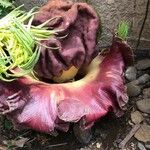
(144, 105)
(147, 145)
(133, 90)
(143, 64)
(130, 123)
(143, 79)
(143, 134)
(146, 92)
(132, 146)
(136, 117)
(145, 114)
(131, 73)
(141, 146)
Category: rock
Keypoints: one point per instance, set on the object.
(132, 145)
(147, 120)
(143, 64)
(143, 79)
(133, 90)
(118, 140)
(141, 146)
(145, 114)
(136, 117)
(143, 134)
(98, 145)
(130, 123)
(144, 105)
(147, 145)
(146, 92)
(131, 73)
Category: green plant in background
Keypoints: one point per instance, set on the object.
(5, 7)
(122, 30)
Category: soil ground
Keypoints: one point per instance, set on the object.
(107, 133)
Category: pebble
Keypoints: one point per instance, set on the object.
(144, 105)
(130, 123)
(145, 114)
(98, 145)
(143, 134)
(147, 120)
(147, 145)
(118, 140)
(141, 146)
(133, 146)
(131, 73)
(143, 64)
(136, 117)
(146, 92)
(143, 79)
(133, 90)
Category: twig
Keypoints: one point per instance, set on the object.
(23, 134)
(56, 145)
(129, 136)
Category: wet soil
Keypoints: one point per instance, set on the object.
(107, 133)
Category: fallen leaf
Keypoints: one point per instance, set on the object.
(16, 143)
(20, 142)
(3, 147)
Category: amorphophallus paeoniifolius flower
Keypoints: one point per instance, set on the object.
(44, 107)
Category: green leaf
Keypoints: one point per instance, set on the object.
(122, 31)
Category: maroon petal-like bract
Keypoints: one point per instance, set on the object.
(45, 107)
(80, 23)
